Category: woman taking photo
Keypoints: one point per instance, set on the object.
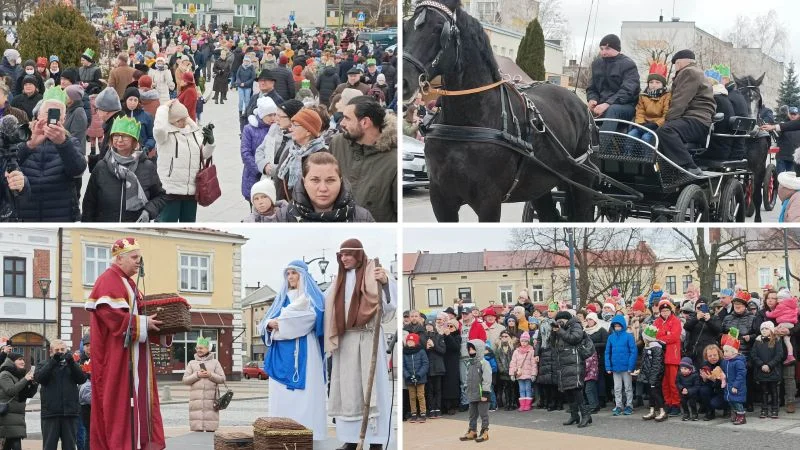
(306, 131)
(322, 195)
(292, 330)
(124, 186)
(270, 152)
(16, 386)
(203, 375)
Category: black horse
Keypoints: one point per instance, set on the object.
(440, 39)
(757, 146)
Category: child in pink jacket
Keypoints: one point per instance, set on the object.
(785, 314)
(523, 369)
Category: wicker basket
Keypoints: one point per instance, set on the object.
(233, 440)
(281, 433)
(172, 310)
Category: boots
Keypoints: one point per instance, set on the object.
(484, 436)
(471, 435)
(662, 415)
(651, 415)
(693, 409)
(586, 417)
(528, 402)
(790, 408)
(574, 417)
(685, 416)
(774, 414)
(521, 404)
(733, 416)
(764, 413)
(740, 419)
(710, 415)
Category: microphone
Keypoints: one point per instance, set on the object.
(784, 110)
(9, 125)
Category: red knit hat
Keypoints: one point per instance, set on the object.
(638, 305)
(283, 60)
(665, 303)
(145, 81)
(488, 312)
(592, 307)
(413, 337)
(41, 61)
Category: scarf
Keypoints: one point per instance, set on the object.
(292, 169)
(124, 168)
(301, 210)
(595, 328)
(656, 93)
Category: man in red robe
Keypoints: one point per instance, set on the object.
(122, 366)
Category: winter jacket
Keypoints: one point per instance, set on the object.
(150, 101)
(77, 123)
(743, 323)
(146, 139)
(451, 383)
(614, 81)
(415, 365)
(120, 77)
(653, 110)
(15, 71)
(489, 357)
(91, 76)
(26, 103)
(14, 390)
(371, 170)
(785, 311)
(736, 377)
(326, 84)
(245, 77)
(592, 368)
(8, 110)
(652, 371)
(363, 87)
(771, 355)
(546, 355)
(600, 340)
(162, 82)
(523, 364)
(691, 383)
(436, 355)
(180, 151)
(792, 208)
(252, 137)
(202, 416)
(503, 355)
(699, 334)
(788, 142)
(85, 393)
(284, 82)
(621, 352)
(222, 71)
(713, 385)
(692, 97)
(493, 333)
(60, 381)
(669, 332)
(50, 169)
(289, 213)
(104, 200)
(569, 369)
(189, 98)
(479, 374)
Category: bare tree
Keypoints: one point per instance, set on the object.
(554, 24)
(655, 46)
(707, 251)
(20, 6)
(766, 32)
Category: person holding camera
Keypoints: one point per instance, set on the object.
(16, 386)
(59, 376)
(204, 375)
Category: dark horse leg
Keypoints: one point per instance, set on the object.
(546, 208)
(580, 203)
(757, 150)
(445, 204)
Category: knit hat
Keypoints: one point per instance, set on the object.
(683, 54)
(789, 180)
(145, 81)
(525, 336)
(687, 306)
(615, 292)
(127, 126)
(768, 325)
(310, 120)
(665, 303)
(649, 333)
(563, 315)
(413, 337)
(88, 55)
(266, 187)
(752, 304)
(552, 306)
(489, 312)
(592, 307)
(264, 107)
(783, 294)
(130, 92)
(291, 107)
(54, 58)
(381, 79)
(593, 316)
(727, 292)
(29, 79)
(177, 112)
(11, 54)
(611, 40)
(108, 100)
(188, 77)
(686, 362)
(638, 305)
(74, 92)
(13, 356)
(345, 97)
(283, 60)
(72, 75)
(609, 304)
(41, 61)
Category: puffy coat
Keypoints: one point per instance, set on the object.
(652, 371)
(743, 323)
(180, 151)
(59, 387)
(146, 139)
(736, 377)
(691, 383)
(451, 383)
(104, 198)
(503, 355)
(600, 340)
(222, 71)
(785, 311)
(26, 103)
(614, 81)
(50, 169)
(479, 373)
(669, 332)
(592, 368)
(162, 82)
(652, 110)
(14, 390)
(489, 357)
(790, 204)
(252, 137)
(569, 368)
(546, 355)
(77, 123)
(436, 355)
(202, 416)
(189, 97)
(415, 365)
(245, 77)
(621, 351)
(326, 84)
(284, 82)
(523, 364)
(699, 334)
(772, 356)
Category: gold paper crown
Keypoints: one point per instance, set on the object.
(124, 245)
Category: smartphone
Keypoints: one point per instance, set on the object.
(53, 116)
(33, 370)
(703, 308)
(203, 366)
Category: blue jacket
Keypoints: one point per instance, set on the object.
(736, 375)
(691, 383)
(489, 357)
(146, 138)
(246, 76)
(415, 365)
(621, 349)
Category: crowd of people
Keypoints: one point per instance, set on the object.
(684, 357)
(298, 94)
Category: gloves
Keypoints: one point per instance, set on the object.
(208, 134)
(145, 217)
(533, 379)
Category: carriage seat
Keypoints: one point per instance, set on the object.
(716, 165)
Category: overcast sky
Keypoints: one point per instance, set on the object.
(269, 250)
(713, 17)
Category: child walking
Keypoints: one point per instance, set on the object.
(735, 367)
(652, 373)
(621, 353)
(766, 357)
(415, 373)
(785, 314)
(688, 383)
(479, 383)
(523, 369)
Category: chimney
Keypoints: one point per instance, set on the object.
(676, 19)
(661, 16)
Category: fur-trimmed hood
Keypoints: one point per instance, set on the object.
(388, 139)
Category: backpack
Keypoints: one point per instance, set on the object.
(586, 347)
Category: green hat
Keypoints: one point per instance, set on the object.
(650, 331)
(204, 342)
(371, 62)
(552, 306)
(733, 332)
(126, 125)
(55, 93)
(305, 84)
(88, 54)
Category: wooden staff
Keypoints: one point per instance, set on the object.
(372, 364)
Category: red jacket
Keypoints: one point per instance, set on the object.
(669, 332)
(189, 98)
(476, 331)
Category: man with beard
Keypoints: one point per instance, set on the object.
(367, 155)
(351, 308)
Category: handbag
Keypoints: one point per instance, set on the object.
(4, 408)
(222, 401)
(206, 183)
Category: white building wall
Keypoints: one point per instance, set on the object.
(307, 13)
(21, 243)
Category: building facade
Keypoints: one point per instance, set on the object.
(28, 316)
(305, 13)
(505, 42)
(255, 304)
(203, 266)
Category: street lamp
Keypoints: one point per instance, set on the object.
(44, 287)
(322, 262)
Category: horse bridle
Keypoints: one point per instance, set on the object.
(450, 33)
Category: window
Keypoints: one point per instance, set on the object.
(717, 283)
(764, 276)
(731, 280)
(554, 80)
(686, 280)
(672, 287)
(537, 293)
(435, 297)
(465, 294)
(183, 345)
(506, 295)
(13, 277)
(195, 272)
(636, 288)
(96, 260)
(246, 10)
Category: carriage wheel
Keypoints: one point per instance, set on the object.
(692, 205)
(750, 207)
(731, 203)
(528, 213)
(770, 187)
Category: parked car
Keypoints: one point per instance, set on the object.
(254, 369)
(415, 172)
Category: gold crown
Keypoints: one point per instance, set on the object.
(124, 245)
